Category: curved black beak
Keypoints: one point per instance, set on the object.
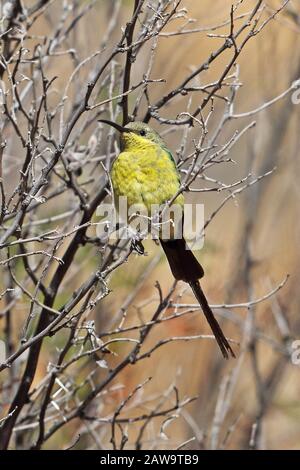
(115, 125)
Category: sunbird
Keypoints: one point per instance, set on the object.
(145, 173)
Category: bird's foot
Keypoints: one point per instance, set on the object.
(137, 246)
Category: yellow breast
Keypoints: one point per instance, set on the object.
(146, 176)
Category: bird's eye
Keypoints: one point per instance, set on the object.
(142, 132)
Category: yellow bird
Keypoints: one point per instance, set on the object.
(146, 174)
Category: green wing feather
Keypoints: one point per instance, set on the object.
(173, 161)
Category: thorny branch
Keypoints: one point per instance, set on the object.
(51, 142)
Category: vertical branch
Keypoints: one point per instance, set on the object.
(52, 189)
(130, 57)
(15, 9)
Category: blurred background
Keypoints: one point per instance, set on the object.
(251, 245)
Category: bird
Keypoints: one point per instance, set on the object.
(145, 172)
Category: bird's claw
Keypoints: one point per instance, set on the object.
(137, 246)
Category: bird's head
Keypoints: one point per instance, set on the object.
(136, 135)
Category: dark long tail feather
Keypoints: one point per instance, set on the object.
(215, 327)
(185, 267)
